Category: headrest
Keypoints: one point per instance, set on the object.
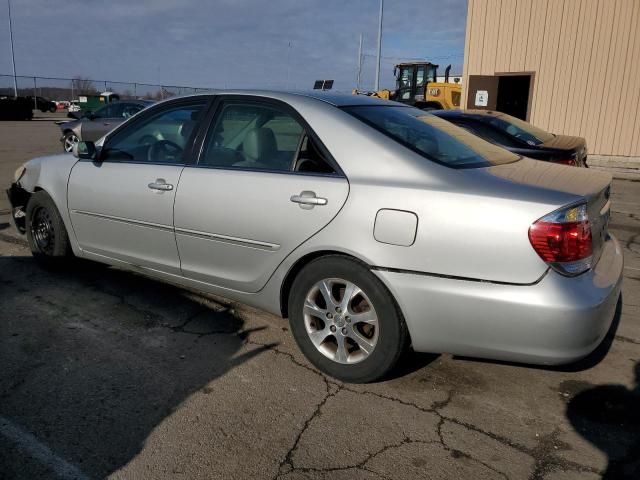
(187, 128)
(259, 144)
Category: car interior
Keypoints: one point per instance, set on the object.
(244, 137)
(264, 140)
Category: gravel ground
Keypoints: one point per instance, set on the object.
(110, 374)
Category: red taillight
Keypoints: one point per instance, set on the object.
(567, 161)
(563, 239)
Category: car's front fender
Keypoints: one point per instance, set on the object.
(50, 174)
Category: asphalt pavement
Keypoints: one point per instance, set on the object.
(105, 373)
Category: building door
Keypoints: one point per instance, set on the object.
(513, 95)
(502, 93)
(483, 92)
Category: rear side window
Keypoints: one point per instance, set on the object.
(519, 128)
(262, 137)
(434, 138)
(488, 133)
(252, 136)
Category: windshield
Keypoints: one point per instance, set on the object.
(432, 137)
(519, 128)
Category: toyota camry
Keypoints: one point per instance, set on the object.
(374, 227)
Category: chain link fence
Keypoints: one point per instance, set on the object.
(68, 89)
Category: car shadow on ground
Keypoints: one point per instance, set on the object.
(94, 359)
(608, 416)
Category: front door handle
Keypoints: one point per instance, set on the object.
(308, 200)
(160, 185)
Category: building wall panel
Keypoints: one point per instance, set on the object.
(624, 119)
(615, 72)
(585, 56)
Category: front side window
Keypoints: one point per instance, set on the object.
(103, 112)
(130, 109)
(253, 136)
(161, 137)
(434, 138)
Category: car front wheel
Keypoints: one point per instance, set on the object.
(345, 321)
(46, 233)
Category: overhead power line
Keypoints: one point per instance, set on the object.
(441, 57)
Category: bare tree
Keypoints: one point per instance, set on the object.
(83, 86)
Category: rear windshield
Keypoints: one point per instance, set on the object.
(519, 128)
(432, 137)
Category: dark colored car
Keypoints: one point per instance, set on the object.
(19, 108)
(519, 137)
(43, 104)
(93, 125)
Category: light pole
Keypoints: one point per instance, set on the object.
(288, 59)
(13, 58)
(359, 64)
(379, 46)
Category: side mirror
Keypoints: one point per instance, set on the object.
(85, 151)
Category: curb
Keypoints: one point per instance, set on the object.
(627, 168)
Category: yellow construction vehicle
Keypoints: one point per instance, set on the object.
(417, 85)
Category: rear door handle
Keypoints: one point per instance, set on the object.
(160, 185)
(308, 200)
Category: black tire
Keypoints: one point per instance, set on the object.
(46, 233)
(392, 337)
(53, 109)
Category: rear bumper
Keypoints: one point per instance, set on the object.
(554, 321)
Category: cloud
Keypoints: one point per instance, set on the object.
(232, 43)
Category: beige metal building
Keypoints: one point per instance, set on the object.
(568, 66)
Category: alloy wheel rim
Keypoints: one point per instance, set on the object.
(42, 231)
(69, 142)
(341, 321)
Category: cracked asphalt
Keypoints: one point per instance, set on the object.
(105, 373)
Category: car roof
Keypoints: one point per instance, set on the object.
(336, 99)
(136, 100)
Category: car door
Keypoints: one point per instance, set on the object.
(262, 186)
(122, 206)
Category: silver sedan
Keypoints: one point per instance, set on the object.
(373, 226)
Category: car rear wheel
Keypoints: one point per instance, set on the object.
(69, 140)
(345, 321)
(46, 233)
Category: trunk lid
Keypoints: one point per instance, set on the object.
(573, 145)
(594, 187)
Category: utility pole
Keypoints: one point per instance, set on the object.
(13, 58)
(379, 46)
(359, 64)
(288, 60)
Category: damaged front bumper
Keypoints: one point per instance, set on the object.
(18, 198)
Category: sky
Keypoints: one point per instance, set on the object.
(228, 43)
